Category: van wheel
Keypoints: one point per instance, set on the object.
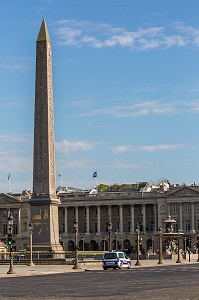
(105, 268)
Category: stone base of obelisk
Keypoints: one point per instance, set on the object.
(44, 216)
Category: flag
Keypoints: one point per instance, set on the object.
(9, 176)
(94, 174)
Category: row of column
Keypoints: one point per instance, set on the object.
(132, 212)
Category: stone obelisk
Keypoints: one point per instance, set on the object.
(44, 202)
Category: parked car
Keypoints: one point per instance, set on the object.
(115, 259)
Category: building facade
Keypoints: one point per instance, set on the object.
(125, 211)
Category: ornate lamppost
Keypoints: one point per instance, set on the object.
(138, 245)
(109, 236)
(116, 239)
(30, 233)
(178, 237)
(160, 246)
(185, 247)
(76, 265)
(152, 245)
(189, 239)
(10, 228)
(82, 238)
(198, 247)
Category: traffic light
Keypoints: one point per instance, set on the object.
(9, 239)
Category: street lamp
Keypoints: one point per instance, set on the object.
(189, 239)
(198, 247)
(138, 245)
(109, 235)
(152, 245)
(30, 233)
(82, 238)
(160, 246)
(185, 247)
(178, 260)
(76, 265)
(116, 239)
(104, 243)
(10, 228)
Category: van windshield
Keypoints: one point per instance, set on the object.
(110, 255)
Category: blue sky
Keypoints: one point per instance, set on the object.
(126, 90)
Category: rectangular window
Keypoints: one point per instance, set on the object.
(175, 227)
(5, 229)
(5, 213)
(15, 229)
(151, 226)
(186, 207)
(197, 224)
(129, 226)
(129, 210)
(151, 210)
(63, 227)
(95, 227)
(187, 224)
(174, 208)
(197, 206)
(118, 226)
(14, 213)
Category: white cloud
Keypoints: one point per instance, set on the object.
(122, 149)
(75, 33)
(145, 108)
(150, 148)
(73, 146)
(137, 109)
(155, 148)
(16, 63)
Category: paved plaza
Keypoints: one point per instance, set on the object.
(24, 270)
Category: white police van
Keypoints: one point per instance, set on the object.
(115, 259)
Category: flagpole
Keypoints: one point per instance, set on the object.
(96, 183)
(10, 190)
(60, 177)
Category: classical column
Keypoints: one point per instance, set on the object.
(192, 217)
(121, 218)
(76, 213)
(155, 217)
(132, 219)
(180, 217)
(87, 220)
(66, 219)
(144, 217)
(19, 221)
(109, 212)
(98, 220)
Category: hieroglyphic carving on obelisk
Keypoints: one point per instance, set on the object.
(44, 153)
